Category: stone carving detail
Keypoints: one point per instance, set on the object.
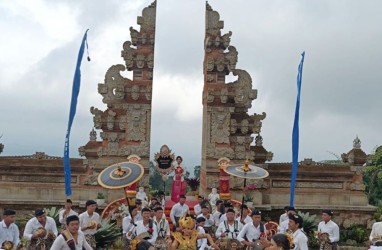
(113, 89)
(259, 140)
(213, 23)
(210, 78)
(93, 135)
(140, 61)
(97, 119)
(220, 127)
(224, 95)
(91, 179)
(147, 20)
(128, 53)
(357, 169)
(150, 61)
(357, 186)
(136, 124)
(244, 94)
(212, 181)
(255, 121)
(357, 143)
(135, 92)
(112, 136)
(148, 93)
(231, 57)
(110, 119)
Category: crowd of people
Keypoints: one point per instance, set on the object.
(145, 226)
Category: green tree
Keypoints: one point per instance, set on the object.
(197, 172)
(156, 181)
(373, 177)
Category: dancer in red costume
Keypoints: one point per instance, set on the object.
(179, 185)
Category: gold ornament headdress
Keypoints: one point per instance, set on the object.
(187, 222)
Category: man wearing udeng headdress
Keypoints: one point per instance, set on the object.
(186, 239)
(90, 222)
(9, 232)
(40, 231)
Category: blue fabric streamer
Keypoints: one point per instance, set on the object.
(72, 113)
(295, 133)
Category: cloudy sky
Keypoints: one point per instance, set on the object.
(341, 89)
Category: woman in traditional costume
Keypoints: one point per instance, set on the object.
(179, 185)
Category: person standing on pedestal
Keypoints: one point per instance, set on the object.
(179, 185)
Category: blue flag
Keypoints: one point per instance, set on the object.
(295, 133)
(72, 113)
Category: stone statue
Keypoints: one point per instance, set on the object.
(213, 197)
(141, 194)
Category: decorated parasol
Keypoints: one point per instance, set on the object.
(120, 175)
(246, 171)
(117, 176)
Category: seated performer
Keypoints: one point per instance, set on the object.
(90, 222)
(229, 228)
(145, 226)
(71, 238)
(41, 231)
(163, 228)
(253, 231)
(9, 232)
(186, 238)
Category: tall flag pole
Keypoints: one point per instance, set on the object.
(295, 133)
(72, 112)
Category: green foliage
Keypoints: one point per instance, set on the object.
(100, 195)
(378, 213)
(309, 222)
(107, 234)
(197, 172)
(355, 232)
(373, 177)
(193, 183)
(156, 181)
(248, 197)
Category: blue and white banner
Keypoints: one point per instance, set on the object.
(72, 113)
(295, 133)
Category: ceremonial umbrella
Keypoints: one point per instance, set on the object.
(246, 171)
(120, 175)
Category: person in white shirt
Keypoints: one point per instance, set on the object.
(229, 228)
(146, 225)
(209, 220)
(330, 227)
(245, 218)
(90, 222)
(66, 212)
(128, 221)
(163, 228)
(284, 216)
(202, 242)
(299, 238)
(227, 205)
(218, 212)
(376, 232)
(41, 230)
(72, 237)
(253, 231)
(178, 210)
(284, 226)
(198, 207)
(9, 232)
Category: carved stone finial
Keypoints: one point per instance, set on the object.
(259, 140)
(1, 147)
(93, 135)
(357, 143)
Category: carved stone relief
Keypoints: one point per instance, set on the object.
(212, 182)
(110, 119)
(220, 127)
(135, 92)
(128, 53)
(136, 124)
(97, 119)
